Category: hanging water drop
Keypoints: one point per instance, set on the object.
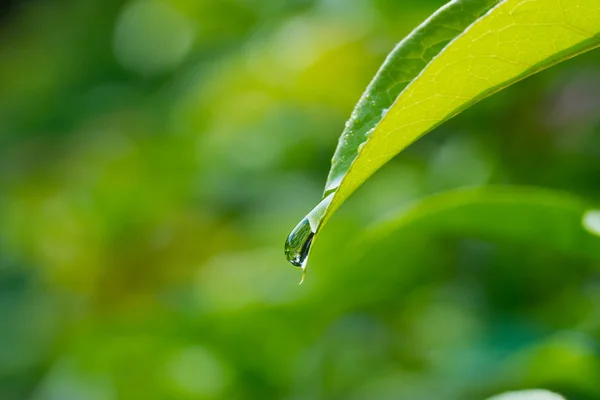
(297, 245)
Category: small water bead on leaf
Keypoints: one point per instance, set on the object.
(360, 147)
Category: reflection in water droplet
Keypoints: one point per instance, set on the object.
(591, 222)
(297, 245)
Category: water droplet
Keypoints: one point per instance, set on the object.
(297, 245)
(360, 147)
(591, 222)
(384, 112)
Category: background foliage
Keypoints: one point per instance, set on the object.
(154, 155)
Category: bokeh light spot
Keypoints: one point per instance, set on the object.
(529, 395)
(591, 222)
(197, 371)
(152, 37)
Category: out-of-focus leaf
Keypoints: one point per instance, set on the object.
(513, 40)
(539, 217)
(535, 394)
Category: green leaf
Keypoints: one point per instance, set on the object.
(482, 55)
(402, 65)
(516, 214)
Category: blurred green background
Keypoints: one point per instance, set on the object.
(154, 155)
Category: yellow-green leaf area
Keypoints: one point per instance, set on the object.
(514, 40)
(402, 65)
